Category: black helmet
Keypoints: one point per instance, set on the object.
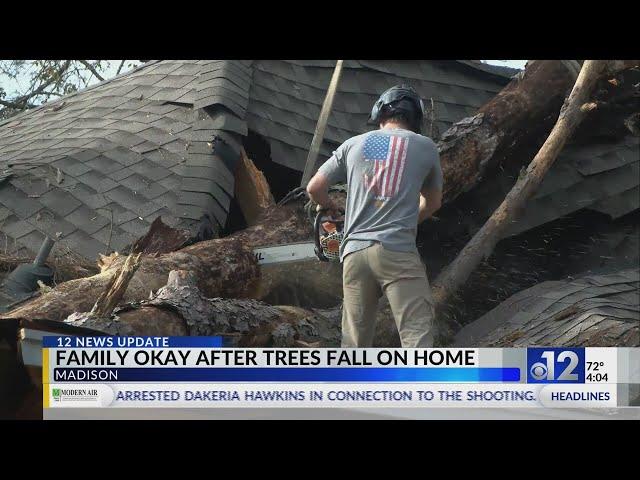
(399, 98)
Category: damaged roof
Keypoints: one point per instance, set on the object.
(603, 177)
(98, 166)
(595, 310)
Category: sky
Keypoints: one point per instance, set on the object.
(12, 87)
(508, 63)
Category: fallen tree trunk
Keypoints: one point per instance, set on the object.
(223, 267)
(482, 244)
(180, 309)
(524, 109)
(226, 267)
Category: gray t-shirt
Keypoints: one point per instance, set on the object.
(384, 170)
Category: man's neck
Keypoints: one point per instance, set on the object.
(394, 126)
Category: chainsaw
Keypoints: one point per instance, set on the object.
(328, 236)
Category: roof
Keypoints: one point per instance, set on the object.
(286, 98)
(504, 71)
(603, 176)
(101, 164)
(595, 310)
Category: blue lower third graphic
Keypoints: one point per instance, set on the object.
(322, 374)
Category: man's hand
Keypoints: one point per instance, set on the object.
(331, 209)
(318, 190)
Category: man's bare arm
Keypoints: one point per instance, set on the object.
(318, 190)
(430, 202)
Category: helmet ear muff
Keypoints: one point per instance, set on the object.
(374, 118)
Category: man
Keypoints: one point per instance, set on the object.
(394, 182)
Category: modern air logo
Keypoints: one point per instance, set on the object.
(74, 394)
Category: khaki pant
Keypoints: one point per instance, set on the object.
(401, 276)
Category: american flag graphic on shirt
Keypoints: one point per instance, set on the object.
(387, 154)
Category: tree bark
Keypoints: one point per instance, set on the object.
(226, 267)
(180, 309)
(522, 110)
(482, 244)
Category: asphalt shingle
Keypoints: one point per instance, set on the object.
(31, 185)
(88, 220)
(150, 170)
(126, 198)
(17, 201)
(105, 164)
(135, 227)
(120, 213)
(142, 186)
(60, 201)
(32, 241)
(16, 227)
(85, 245)
(97, 181)
(51, 224)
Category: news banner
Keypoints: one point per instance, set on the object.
(200, 372)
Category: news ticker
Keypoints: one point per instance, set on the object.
(200, 372)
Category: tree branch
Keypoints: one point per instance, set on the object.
(120, 67)
(92, 69)
(21, 103)
(15, 105)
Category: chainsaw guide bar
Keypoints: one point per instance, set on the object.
(291, 252)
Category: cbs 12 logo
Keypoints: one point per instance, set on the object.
(555, 365)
